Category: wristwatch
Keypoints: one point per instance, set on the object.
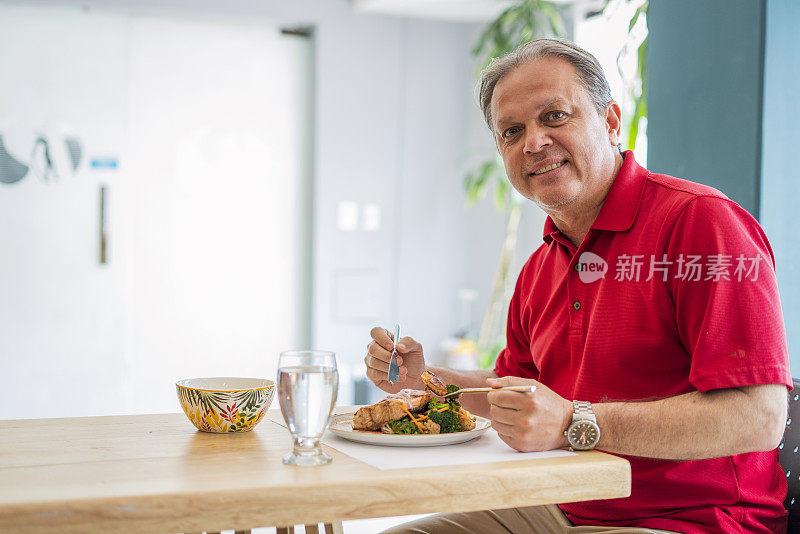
(583, 433)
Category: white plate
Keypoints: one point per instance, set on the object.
(342, 426)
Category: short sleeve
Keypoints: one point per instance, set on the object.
(516, 359)
(727, 306)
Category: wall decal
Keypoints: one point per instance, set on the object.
(49, 160)
(11, 169)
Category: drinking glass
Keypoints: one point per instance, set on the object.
(307, 385)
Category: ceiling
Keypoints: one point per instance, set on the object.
(455, 10)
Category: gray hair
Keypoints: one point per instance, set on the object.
(589, 70)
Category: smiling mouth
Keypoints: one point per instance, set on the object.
(549, 168)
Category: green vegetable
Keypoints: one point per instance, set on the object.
(453, 401)
(434, 404)
(447, 420)
(404, 426)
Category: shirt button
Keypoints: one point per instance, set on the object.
(577, 305)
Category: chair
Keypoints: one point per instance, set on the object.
(789, 454)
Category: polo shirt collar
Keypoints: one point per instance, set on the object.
(621, 204)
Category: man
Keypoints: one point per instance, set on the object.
(652, 304)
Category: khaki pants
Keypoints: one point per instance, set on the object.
(533, 519)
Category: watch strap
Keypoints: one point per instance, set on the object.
(582, 410)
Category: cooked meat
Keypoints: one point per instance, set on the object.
(467, 421)
(430, 427)
(390, 408)
(434, 383)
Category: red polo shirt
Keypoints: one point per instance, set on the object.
(687, 301)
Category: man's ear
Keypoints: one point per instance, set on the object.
(613, 122)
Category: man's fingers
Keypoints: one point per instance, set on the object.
(509, 440)
(510, 381)
(407, 344)
(515, 443)
(507, 399)
(378, 352)
(498, 382)
(381, 337)
(376, 376)
(506, 416)
(503, 428)
(375, 363)
(380, 377)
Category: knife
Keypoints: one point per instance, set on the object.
(394, 369)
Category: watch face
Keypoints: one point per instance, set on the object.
(583, 435)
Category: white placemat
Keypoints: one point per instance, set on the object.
(486, 448)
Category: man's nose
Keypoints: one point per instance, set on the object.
(536, 139)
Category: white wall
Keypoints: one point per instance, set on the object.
(216, 193)
(62, 335)
(209, 125)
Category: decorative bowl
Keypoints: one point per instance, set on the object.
(225, 404)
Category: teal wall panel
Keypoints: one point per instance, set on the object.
(704, 103)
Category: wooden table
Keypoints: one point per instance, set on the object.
(156, 473)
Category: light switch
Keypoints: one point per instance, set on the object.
(347, 216)
(371, 219)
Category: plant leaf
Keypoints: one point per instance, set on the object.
(501, 195)
(555, 19)
(475, 183)
(640, 100)
(642, 9)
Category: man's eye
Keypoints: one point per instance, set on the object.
(510, 132)
(556, 115)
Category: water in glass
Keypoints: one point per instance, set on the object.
(307, 386)
(307, 395)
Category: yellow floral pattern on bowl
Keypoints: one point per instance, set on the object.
(225, 404)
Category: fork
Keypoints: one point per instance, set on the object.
(525, 389)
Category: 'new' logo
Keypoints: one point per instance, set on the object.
(591, 267)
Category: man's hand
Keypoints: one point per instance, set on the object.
(409, 358)
(528, 421)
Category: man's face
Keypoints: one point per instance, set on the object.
(558, 151)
